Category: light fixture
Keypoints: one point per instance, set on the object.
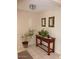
(32, 6)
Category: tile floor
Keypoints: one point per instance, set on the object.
(38, 53)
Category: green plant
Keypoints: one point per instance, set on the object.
(43, 33)
(30, 33)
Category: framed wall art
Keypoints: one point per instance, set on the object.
(51, 21)
(43, 22)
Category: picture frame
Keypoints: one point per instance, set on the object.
(51, 21)
(43, 22)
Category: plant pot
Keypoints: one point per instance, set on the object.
(25, 44)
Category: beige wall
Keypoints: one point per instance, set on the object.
(25, 21)
(21, 27)
(53, 31)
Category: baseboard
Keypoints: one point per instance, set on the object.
(59, 54)
(21, 50)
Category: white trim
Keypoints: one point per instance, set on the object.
(22, 50)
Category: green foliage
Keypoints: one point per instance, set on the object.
(43, 33)
(30, 33)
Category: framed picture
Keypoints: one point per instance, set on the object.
(51, 21)
(43, 22)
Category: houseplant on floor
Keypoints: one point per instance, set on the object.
(27, 37)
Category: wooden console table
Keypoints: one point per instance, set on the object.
(48, 40)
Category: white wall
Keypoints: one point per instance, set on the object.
(25, 21)
(53, 31)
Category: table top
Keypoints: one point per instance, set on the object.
(45, 38)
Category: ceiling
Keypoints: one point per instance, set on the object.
(41, 5)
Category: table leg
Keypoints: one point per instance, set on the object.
(36, 42)
(53, 46)
(48, 48)
(40, 42)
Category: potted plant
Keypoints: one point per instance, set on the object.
(43, 33)
(27, 37)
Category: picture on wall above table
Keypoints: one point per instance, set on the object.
(51, 21)
(43, 22)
